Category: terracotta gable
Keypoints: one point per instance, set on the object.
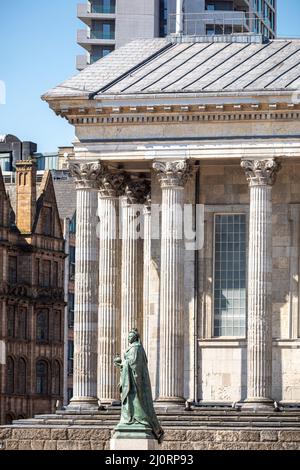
(47, 215)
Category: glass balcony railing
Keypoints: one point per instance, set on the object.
(110, 35)
(104, 9)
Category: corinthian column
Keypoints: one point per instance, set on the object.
(261, 175)
(132, 259)
(109, 318)
(172, 177)
(146, 280)
(86, 287)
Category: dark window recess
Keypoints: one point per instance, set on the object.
(72, 226)
(46, 270)
(70, 357)
(11, 321)
(42, 326)
(55, 274)
(12, 269)
(22, 323)
(21, 377)
(72, 262)
(71, 305)
(42, 378)
(57, 325)
(10, 376)
(56, 378)
(47, 221)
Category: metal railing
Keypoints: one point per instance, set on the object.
(102, 35)
(217, 22)
(84, 10)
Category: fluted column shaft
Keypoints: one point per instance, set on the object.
(132, 268)
(86, 288)
(172, 176)
(261, 177)
(109, 318)
(147, 265)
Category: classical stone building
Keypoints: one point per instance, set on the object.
(212, 127)
(31, 297)
(201, 123)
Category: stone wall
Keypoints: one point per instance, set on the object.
(222, 362)
(87, 438)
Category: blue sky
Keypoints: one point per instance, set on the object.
(37, 51)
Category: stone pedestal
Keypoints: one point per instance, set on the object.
(133, 437)
(86, 288)
(172, 177)
(261, 175)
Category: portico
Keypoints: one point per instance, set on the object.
(220, 323)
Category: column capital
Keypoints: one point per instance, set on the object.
(261, 172)
(174, 173)
(86, 174)
(112, 184)
(136, 191)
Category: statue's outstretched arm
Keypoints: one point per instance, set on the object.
(118, 362)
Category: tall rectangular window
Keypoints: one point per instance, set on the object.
(46, 269)
(71, 303)
(12, 270)
(230, 275)
(70, 357)
(55, 274)
(72, 257)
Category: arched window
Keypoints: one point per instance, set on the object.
(11, 321)
(42, 378)
(42, 326)
(22, 323)
(56, 378)
(21, 376)
(9, 418)
(10, 375)
(57, 325)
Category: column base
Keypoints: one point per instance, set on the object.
(258, 404)
(83, 405)
(169, 402)
(107, 403)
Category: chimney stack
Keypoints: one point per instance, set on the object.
(26, 195)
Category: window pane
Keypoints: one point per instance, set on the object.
(22, 323)
(42, 330)
(42, 378)
(12, 270)
(22, 377)
(11, 321)
(10, 375)
(230, 275)
(57, 325)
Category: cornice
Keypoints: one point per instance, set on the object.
(92, 113)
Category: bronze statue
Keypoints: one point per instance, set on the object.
(135, 387)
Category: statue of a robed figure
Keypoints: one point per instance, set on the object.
(138, 413)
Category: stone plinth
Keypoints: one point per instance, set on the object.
(135, 437)
(133, 444)
(199, 429)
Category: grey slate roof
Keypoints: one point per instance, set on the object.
(112, 66)
(158, 66)
(65, 194)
